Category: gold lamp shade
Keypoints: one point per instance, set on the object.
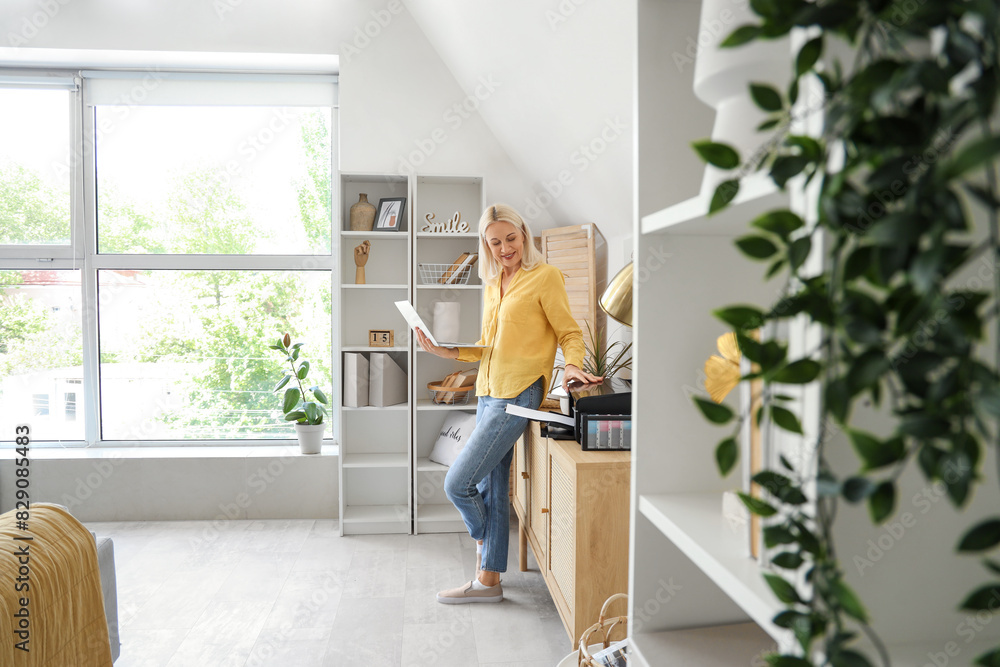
(617, 298)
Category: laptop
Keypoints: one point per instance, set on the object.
(409, 314)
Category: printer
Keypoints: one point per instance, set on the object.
(602, 416)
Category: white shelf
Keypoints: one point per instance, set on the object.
(757, 194)
(716, 646)
(368, 408)
(447, 235)
(371, 514)
(369, 348)
(449, 286)
(431, 513)
(379, 460)
(428, 404)
(370, 286)
(401, 235)
(426, 465)
(694, 523)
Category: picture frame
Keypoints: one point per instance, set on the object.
(389, 215)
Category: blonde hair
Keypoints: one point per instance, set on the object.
(489, 268)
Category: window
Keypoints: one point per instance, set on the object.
(208, 201)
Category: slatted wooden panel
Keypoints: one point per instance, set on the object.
(580, 252)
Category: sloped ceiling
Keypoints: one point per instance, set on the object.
(563, 104)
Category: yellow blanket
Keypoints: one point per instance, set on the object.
(50, 592)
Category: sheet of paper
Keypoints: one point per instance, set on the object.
(540, 415)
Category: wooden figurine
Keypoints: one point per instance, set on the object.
(360, 259)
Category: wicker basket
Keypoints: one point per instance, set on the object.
(450, 395)
(444, 274)
(599, 633)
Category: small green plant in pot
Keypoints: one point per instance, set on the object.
(300, 405)
(607, 361)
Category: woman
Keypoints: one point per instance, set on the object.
(525, 315)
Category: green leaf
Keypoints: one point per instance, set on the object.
(724, 193)
(312, 412)
(718, 155)
(768, 124)
(979, 152)
(856, 489)
(990, 659)
(808, 55)
(740, 36)
(882, 502)
(295, 416)
(292, 396)
(985, 197)
(786, 419)
(780, 222)
(798, 251)
(775, 660)
(985, 598)
(786, 167)
(783, 590)
(275, 347)
(282, 383)
(756, 505)
(788, 560)
(801, 371)
(295, 353)
(726, 454)
(303, 370)
(838, 399)
(775, 535)
(848, 658)
(875, 453)
(849, 601)
(984, 536)
(714, 412)
(788, 617)
(320, 396)
(756, 247)
(992, 565)
(741, 317)
(765, 97)
(867, 370)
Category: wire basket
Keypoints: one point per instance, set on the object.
(599, 633)
(444, 274)
(450, 395)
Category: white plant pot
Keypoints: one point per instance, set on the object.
(310, 437)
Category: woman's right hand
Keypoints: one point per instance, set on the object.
(427, 346)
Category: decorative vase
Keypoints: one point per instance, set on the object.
(362, 215)
(310, 437)
(722, 77)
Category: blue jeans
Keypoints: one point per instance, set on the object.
(477, 482)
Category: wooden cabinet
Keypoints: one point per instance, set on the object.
(573, 511)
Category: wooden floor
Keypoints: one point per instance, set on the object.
(296, 594)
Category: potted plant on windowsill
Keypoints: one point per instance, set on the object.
(301, 405)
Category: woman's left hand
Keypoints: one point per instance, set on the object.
(574, 374)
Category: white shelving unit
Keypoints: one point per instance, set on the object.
(694, 597)
(375, 442)
(442, 196)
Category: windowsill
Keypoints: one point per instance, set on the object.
(179, 452)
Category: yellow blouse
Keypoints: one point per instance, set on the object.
(522, 329)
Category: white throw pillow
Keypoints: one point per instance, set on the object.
(454, 434)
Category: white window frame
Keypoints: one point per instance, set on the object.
(81, 254)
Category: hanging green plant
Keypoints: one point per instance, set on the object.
(906, 153)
